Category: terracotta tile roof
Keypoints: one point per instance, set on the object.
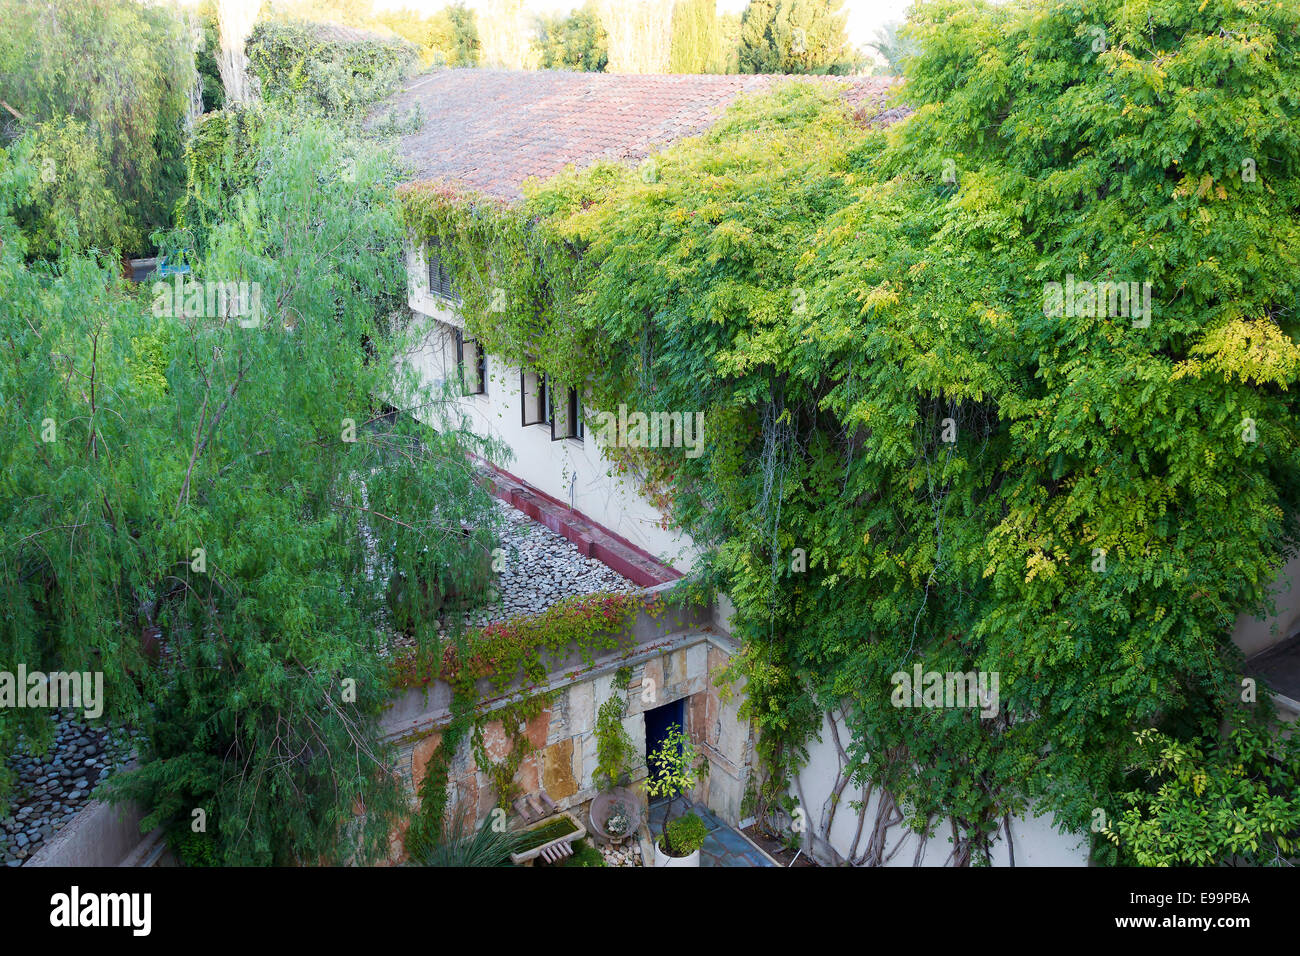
(489, 130)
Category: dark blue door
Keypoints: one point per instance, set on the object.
(657, 722)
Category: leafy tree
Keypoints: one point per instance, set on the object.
(466, 49)
(129, 90)
(70, 201)
(810, 36)
(321, 68)
(794, 36)
(758, 51)
(575, 42)
(219, 484)
(694, 35)
(725, 57)
(1214, 799)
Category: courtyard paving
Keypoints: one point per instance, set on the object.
(724, 846)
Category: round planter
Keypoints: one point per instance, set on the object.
(603, 803)
(663, 859)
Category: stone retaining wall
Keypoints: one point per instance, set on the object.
(667, 663)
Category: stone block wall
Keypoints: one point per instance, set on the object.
(563, 740)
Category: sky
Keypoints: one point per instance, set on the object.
(864, 15)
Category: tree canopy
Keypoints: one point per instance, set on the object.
(107, 136)
(917, 453)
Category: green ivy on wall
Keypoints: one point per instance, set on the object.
(911, 458)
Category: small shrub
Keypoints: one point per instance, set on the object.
(584, 854)
(683, 836)
(462, 846)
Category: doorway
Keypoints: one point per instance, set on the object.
(657, 722)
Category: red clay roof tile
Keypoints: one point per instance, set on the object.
(489, 130)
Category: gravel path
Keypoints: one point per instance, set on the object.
(541, 568)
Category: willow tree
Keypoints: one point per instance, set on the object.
(206, 500)
(695, 29)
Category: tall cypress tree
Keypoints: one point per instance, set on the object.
(694, 26)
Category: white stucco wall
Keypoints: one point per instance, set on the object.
(1036, 841)
(573, 472)
(1253, 635)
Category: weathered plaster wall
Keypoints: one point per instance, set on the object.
(563, 741)
(679, 655)
(1254, 635)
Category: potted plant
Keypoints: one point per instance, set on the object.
(674, 772)
(681, 841)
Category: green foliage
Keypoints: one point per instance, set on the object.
(1213, 801)
(447, 38)
(463, 846)
(70, 203)
(191, 848)
(674, 766)
(758, 52)
(575, 42)
(811, 37)
(101, 88)
(837, 299)
(616, 753)
(683, 835)
(430, 820)
(202, 479)
(794, 36)
(325, 70)
(584, 854)
(466, 48)
(893, 43)
(221, 158)
(504, 653)
(544, 833)
(725, 55)
(508, 651)
(694, 35)
(205, 58)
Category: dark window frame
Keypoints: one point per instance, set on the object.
(480, 364)
(541, 413)
(572, 417)
(440, 283)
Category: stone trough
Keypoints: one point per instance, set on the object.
(551, 851)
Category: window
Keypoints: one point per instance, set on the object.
(439, 277)
(532, 386)
(471, 360)
(566, 414)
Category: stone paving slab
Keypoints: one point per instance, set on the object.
(724, 846)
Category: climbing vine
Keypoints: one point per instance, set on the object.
(522, 651)
(912, 456)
